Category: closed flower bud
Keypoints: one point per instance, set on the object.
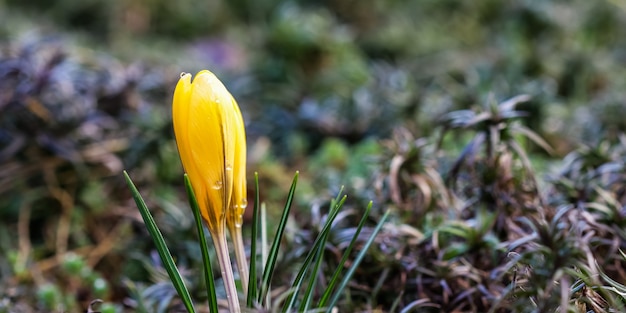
(208, 127)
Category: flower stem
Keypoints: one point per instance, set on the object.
(240, 255)
(221, 249)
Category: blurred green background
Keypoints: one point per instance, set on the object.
(86, 87)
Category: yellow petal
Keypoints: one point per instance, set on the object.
(239, 200)
(180, 117)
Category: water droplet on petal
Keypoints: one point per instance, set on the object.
(238, 220)
(218, 185)
(244, 203)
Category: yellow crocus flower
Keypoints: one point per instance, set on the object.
(210, 135)
(206, 121)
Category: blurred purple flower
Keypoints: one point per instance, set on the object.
(219, 55)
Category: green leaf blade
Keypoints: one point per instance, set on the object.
(161, 246)
(252, 286)
(206, 259)
(319, 241)
(335, 278)
(355, 264)
(268, 270)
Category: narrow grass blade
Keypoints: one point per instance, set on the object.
(252, 286)
(319, 258)
(264, 247)
(206, 259)
(268, 270)
(335, 278)
(357, 261)
(320, 240)
(161, 247)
